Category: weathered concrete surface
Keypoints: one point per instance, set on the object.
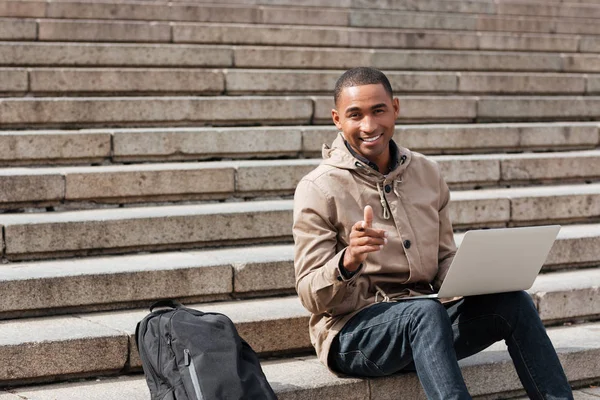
(111, 54)
(469, 170)
(84, 282)
(581, 62)
(555, 203)
(146, 227)
(107, 10)
(264, 176)
(537, 107)
(521, 83)
(106, 110)
(264, 276)
(123, 387)
(149, 181)
(528, 42)
(310, 380)
(563, 165)
(20, 185)
(23, 147)
(13, 80)
(103, 31)
(18, 30)
(70, 80)
(49, 347)
(29, 9)
(564, 295)
(576, 245)
(477, 208)
(198, 143)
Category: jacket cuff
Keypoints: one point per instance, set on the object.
(343, 274)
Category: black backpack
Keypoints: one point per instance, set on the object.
(190, 355)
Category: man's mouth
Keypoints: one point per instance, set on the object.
(372, 139)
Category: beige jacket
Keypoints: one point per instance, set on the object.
(410, 203)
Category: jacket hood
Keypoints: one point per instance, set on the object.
(339, 156)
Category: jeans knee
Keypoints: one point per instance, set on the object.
(430, 311)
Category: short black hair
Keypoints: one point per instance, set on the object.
(361, 76)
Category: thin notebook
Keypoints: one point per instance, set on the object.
(497, 260)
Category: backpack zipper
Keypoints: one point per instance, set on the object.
(187, 360)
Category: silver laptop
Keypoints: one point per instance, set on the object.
(496, 261)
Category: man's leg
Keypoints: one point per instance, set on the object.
(386, 337)
(479, 321)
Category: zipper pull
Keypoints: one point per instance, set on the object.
(187, 359)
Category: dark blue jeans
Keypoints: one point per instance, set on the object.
(426, 336)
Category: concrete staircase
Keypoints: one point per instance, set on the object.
(151, 149)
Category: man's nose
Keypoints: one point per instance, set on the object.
(367, 124)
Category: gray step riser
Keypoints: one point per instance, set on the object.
(181, 182)
(59, 294)
(160, 9)
(336, 37)
(110, 231)
(64, 147)
(104, 339)
(114, 82)
(44, 29)
(156, 55)
(80, 112)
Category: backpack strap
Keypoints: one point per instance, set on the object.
(166, 303)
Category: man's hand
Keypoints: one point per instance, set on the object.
(363, 240)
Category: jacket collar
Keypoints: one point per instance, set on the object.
(341, 155)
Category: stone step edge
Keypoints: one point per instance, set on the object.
(41, 82)
(211, 274)
(65, 187)
(470, 40)
(64, 147)
(135, 229)
(265, 337)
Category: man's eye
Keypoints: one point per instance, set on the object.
(379, 111)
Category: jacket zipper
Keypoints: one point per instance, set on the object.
(187, 359)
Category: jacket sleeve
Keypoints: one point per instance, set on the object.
(319, 283)
(447, 247)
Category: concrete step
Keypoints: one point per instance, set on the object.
(76, 112)
(120, 81)
(119, 184)
(160, 9)
(294, 35)
(123, 230)
(297, 35)
(166, 144)
(106, 283)
(291, 35)
(21, 54)
(134, 387)
(103, 111)
(101, 343)
(513, 17)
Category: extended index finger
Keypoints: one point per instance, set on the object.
(368, 217)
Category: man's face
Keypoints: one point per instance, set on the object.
(366, 115)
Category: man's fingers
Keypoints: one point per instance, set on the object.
(368, 217)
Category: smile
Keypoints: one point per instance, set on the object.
(369, 140)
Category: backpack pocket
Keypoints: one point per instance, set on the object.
(191, 369)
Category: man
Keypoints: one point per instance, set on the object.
(371, 224)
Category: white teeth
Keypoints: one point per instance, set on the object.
(371, 139)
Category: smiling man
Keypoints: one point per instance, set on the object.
(371, 225)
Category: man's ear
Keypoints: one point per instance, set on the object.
(336, 119)
(396, 103)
